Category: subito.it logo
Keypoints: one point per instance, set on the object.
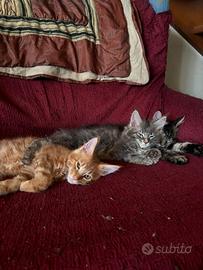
(147, 249)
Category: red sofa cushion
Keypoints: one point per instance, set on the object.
(105, 225)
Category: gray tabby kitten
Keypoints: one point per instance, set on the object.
(134, 143)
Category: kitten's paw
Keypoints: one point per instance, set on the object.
(27, 186)
(9, 186)
(195, 149)
(148, 162)
(154, 155)
(179, 159)
(3, 189)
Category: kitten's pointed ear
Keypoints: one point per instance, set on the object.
(106, 169)
(135, 120)
(157, 115)
(89, 146)
(179, 121)
(160, 123)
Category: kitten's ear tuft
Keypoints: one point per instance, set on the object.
(135, 120)
(106, 169)
(89, 146)
(179, 121)
(157, 115)
(160, 123)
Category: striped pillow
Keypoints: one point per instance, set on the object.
(77, 41)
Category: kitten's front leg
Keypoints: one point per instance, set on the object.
(146, 157)
(39, 183)
(195, 149)
(154, 154)
(190, 148)
(174, 157)
(11, 185)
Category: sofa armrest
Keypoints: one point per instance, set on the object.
(177, 104)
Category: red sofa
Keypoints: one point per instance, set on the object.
(105, 225)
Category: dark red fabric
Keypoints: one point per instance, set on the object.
(104, 225)
(41, 106)
(65, 227)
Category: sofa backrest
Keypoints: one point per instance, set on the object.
(155, 35)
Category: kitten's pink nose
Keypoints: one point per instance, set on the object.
(146, 141)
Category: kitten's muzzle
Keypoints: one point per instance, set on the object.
(144, 144)
(72, 181)
(146, 141)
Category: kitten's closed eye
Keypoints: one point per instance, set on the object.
(145, 135)
(151, 136)
(140, 135)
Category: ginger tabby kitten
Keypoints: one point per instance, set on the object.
(52, 163)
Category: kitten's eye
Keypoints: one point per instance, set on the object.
(151, 136)
(87, 177)
(78, 165)
(140, 135)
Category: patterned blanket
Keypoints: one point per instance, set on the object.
(77, 41)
